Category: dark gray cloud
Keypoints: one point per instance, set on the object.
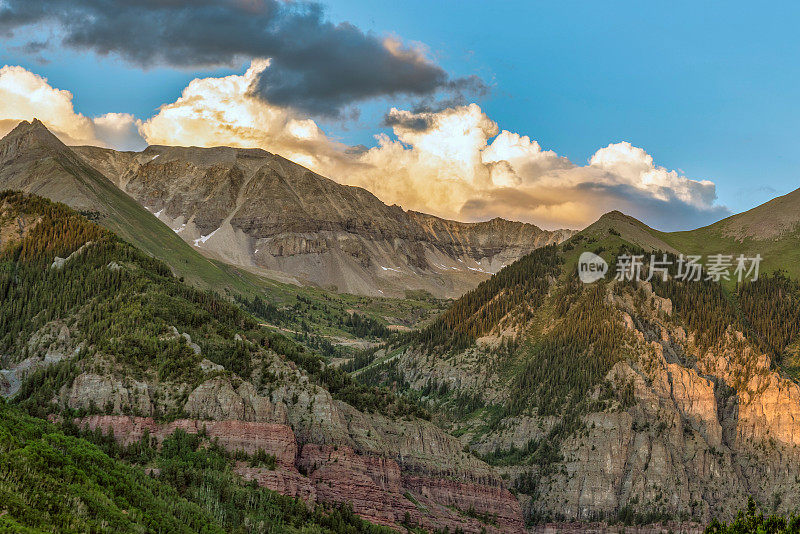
(408, 121)
(317, 66)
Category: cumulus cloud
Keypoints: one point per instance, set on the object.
(455, 163)
(223, 112)
(25, 96)
(317, 66)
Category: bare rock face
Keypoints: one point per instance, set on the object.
(217, 400)
(377, 487)
(263, 212)
(326, 450)
(284, 481)
(93, 391)
(51, 344)
(274, 439)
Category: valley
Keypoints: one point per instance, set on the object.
(530, 401)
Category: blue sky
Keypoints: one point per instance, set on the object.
(706, 88)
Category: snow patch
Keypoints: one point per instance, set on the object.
(159, 212)
(390, 269)
(179, 230)
(202, 239)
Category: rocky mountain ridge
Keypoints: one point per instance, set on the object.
(33, 160)
(258, 210)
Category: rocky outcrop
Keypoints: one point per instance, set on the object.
(277, 440)
(263, 212)
(691, 431)
(217, 400)
(377, 487)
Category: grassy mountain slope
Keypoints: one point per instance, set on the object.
(33, 160)
(771, 229)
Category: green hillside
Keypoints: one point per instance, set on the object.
(535, 348)
(54, 480)
(122, 304)
(35, 161)
(771, 230)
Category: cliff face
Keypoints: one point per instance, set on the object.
(688, 433)
(261, 211)
(389, 469)
(326, 450)
(378, 488)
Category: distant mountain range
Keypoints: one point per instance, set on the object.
(258, 210)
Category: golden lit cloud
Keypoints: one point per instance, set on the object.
(25, 96)
(224, 112)
(455, 163)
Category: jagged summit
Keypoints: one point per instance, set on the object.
(261, 211)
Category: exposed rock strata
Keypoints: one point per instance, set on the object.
(703, 429)
(377, 487)
(264, 212)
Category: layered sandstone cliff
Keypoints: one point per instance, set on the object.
(378, 488)
(702, 428)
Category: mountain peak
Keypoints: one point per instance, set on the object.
(614, 215)
(629, 229)
(34, 125)
(30, 135)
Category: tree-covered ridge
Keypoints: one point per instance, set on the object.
(771, 311)
(125, 305)
(526, 281)
(753, 521)
(53, 480)
(766, 310)
(563, 364)
(573, 334)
